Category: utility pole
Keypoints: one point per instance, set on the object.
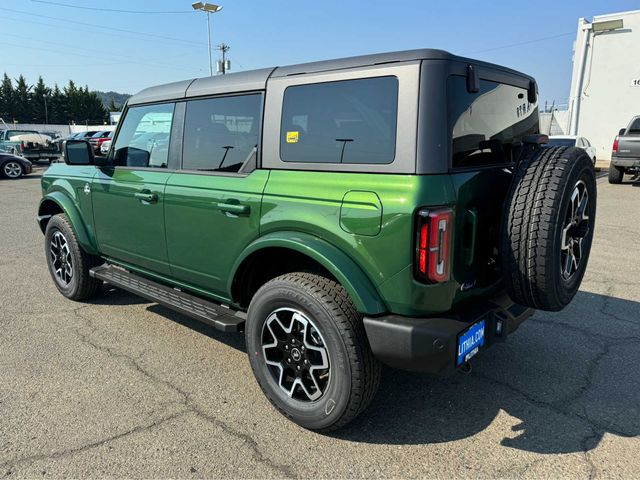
(225, 64)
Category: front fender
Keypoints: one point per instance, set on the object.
(360, 289)
(68, 206)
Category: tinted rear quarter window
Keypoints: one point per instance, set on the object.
(350, 122)
(485, 126)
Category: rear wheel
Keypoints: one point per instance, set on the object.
(68, 264)
(548, 227)
(615, 174)
(309, 352)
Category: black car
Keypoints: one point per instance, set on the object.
(12, 166)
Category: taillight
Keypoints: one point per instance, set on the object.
(615, 145)
(433, 242)
(22, 147)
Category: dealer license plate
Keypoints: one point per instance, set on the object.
(470, 341)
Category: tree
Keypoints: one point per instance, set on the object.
(93, 107)
(56, 106)
(113, 107)
(7, 102)
(22, 100)
(73, 103)
(40, 102)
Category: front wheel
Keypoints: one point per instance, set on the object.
(12, 170)
(309, 351)
(68, 264)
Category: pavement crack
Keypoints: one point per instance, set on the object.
(12, 464)
(186, 399)
(555, 407)
(284, 470)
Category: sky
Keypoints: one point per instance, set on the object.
(149, 42)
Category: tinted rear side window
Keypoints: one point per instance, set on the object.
(351, 121)
(220, 134)
(484, 126)
(635, 126)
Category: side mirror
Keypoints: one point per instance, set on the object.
(78, 152)
(622, 131)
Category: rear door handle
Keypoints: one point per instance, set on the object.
(235, 208)
(146, 196)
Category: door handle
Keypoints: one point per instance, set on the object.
(235, 208)
(146, 196)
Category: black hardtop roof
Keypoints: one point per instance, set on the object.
(257, 79)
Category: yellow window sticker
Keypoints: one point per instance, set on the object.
(292, 137)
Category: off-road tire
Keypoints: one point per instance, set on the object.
(354, 371)
(533, 225)
(615, 174)
(82, 286)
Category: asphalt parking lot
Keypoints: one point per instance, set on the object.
(121, 387)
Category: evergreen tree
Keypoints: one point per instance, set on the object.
(22, 101)
(73, 103)
(93, 107)
(113, 106)
(40, 102)
(57, 113)
(7, 102)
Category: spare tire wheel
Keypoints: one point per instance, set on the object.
(548, 225)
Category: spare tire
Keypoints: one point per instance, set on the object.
(548, 226)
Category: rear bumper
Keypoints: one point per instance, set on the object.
(430, 344)
(625, 162)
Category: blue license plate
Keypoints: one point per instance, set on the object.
(470, 341)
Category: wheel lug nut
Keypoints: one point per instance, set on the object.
(288, 360)
(298, 367)
(286, 347)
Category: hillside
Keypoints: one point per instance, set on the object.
(107, 97)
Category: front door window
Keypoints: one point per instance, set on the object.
(143, 140)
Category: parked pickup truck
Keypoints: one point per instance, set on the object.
(394, 208)
(29, 144)
(625, 155)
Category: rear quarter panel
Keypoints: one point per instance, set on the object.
(318, 203)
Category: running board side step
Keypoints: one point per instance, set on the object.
(197, 308)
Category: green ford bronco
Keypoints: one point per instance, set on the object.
(394, 208)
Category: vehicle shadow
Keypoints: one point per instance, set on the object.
(560, 383)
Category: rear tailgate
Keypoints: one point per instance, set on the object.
(629, 146)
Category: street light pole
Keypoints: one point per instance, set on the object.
(209, 38)
(208, 8)
(46, 110)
